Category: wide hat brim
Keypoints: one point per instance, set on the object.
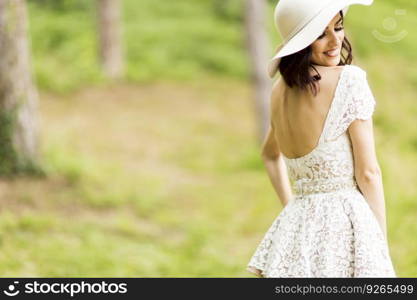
(310, 32)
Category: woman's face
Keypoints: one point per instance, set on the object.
(327, 47)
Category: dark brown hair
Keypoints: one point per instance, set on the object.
(295, 68)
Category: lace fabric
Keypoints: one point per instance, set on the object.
(328, 228)
(353, 100)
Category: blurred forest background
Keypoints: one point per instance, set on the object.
(148, 160)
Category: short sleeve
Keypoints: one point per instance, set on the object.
(362, 102)
(354, 100)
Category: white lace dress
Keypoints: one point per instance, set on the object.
(328, 229)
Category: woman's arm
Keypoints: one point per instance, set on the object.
(367, 170)
(276, 168)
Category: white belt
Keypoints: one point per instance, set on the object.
(302, 187)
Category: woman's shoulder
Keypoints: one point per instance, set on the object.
(330, 76)
(355, 68)
(358, 92)
(355, 71)
(278, 88)
(336, 70)
(277, 92)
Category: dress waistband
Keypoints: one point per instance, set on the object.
(302, 187)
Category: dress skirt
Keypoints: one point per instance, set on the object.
(324, 235)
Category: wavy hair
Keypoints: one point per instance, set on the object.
(295, 68)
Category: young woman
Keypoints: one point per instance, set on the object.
(321, 139)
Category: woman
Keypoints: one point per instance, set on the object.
(321, 132)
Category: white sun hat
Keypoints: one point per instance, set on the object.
(301, 22)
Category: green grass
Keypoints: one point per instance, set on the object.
(160, 175)
(180, 198)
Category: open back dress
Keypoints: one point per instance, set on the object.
(328, 229)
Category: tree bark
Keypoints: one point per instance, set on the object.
(110, 40)
(258, 45)
(18, 95)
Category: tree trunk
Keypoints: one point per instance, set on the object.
(110, 41)
(258, 45)
(18, 95)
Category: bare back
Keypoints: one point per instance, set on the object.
(299, 116)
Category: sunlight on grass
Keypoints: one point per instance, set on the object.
(161, 176)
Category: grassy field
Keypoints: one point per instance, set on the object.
(140, 184)
(148, 176)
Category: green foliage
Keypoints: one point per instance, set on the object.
(161, 40)
(63, 5)
(182, 40)
(189, 195)
(64, 46)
